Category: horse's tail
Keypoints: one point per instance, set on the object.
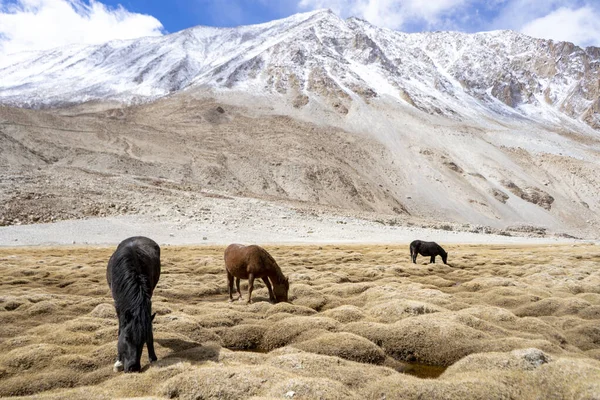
(126, 273)
(131, 288)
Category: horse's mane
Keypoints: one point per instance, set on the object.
(280, 276)
(442, 251)
(131, 290)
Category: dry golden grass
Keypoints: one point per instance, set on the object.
(506, 322)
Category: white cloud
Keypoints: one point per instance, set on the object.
(580, 26)
(394, 14)
(576, 21)
(43, 24)
(514, 14)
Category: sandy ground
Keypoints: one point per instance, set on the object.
(501, 321)
(273, 224)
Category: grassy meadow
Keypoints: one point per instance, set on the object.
(364, 322)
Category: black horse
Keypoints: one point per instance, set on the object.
(132, 274)
(426, 249)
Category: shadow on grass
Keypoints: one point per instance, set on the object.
(184, 350)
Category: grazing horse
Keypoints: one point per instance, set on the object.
(426, 249)
(132, 274)
(250, 262)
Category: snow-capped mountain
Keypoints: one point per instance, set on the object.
(319, 57)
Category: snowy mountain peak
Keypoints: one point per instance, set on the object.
(317, 56)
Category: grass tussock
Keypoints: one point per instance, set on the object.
(344, 345)
(500, 322)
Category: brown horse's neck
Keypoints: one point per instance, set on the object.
(276, 275)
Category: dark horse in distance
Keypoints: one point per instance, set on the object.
(132, 274)
(251, 262)
(427, 249)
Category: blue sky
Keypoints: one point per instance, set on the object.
(176, 15)
(41, 24)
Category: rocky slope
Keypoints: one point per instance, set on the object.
(97, 160)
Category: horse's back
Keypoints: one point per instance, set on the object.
(430, 249)
(236, 260)
(234, 251)
(242, 260)
(425, 248)
(140, 255)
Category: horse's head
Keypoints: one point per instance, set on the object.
(132, 337)
(281, 291)
(444, 257)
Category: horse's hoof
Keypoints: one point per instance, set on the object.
(153, 359)
(118, 367)
(231, 300)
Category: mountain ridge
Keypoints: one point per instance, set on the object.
(318, 54)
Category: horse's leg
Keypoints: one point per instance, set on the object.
(414, 258)
(118, 366)
(150, 345)
(271, 294)
(250, 287)
(237, 285)
(230, 284)
(432, 261)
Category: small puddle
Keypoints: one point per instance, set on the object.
(423, 371)
(253, 350)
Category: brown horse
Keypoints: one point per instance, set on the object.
(250, 262)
